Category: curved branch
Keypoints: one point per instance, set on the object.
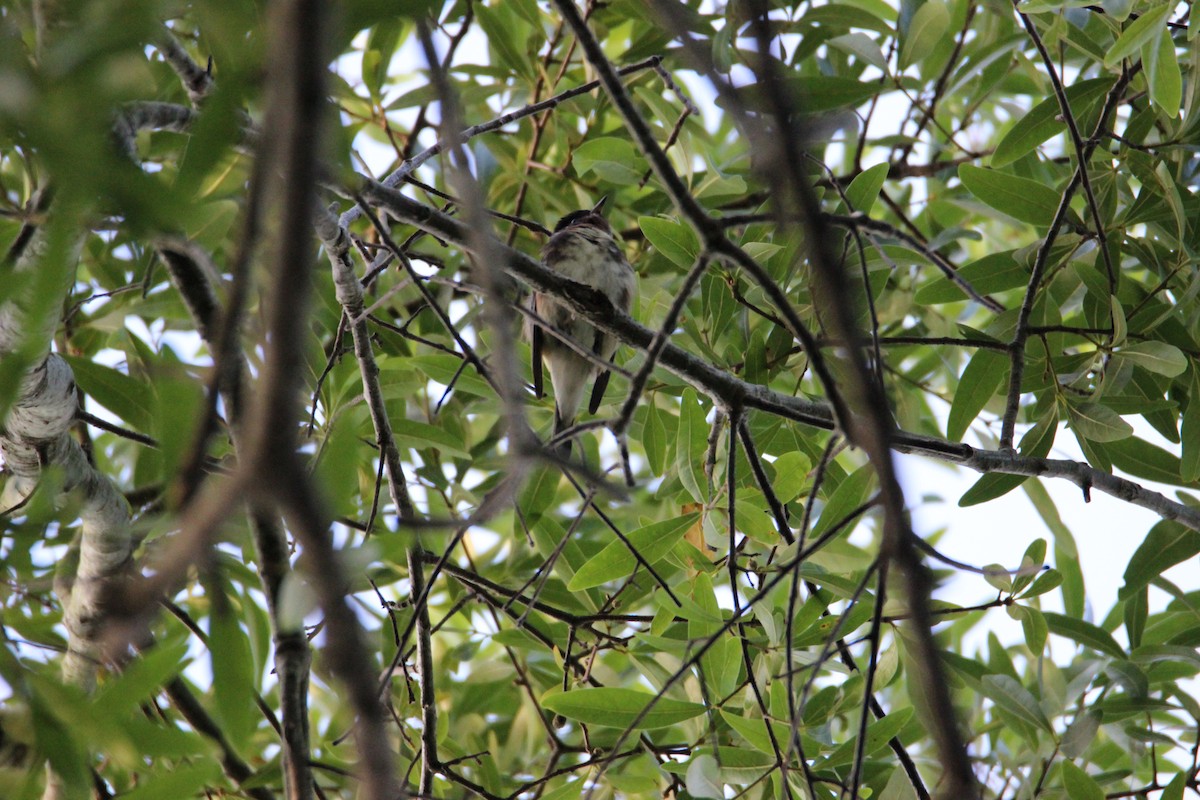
(726, 389)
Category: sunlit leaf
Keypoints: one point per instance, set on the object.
(620, 708)
(1143, 29)
(1080, 785)
(617, 560)
(674, 240)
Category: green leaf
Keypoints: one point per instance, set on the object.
(1056, 6)
(849, 495)
(1048, 581)
(1035, 443)
(1157, 357)
(615, 160)
(1128, 676)
(1162, 69)
(879, 733)
(871, 16)
(616, 561)
(703, 777)
(127, 397)
(619, 708)
(864, 190)
(654, 438)
(1136, 34)
(995, 272)
(983, 375)
(141, 679)
(234, 685)
(811, 94)
(176, 402)
(1033, 624)
(862, 47)
(1045, 120)
(1020, 198)
(1189, 433)
(738, 765)
(927, 28)
(1085, 633)
(1048, 511)
(377, 56)
(674, 240)
(791, 474)
(422, 435)
(1141, 459)
(755, 732)
(1011, 696)
(761, 251)
(722, 661)
(1080, 734)
(691, 442)
(1170, 196)
(1136, 612)
(1097, 423)
(826, 93)
(183, 780)
(1168, 543)
(1080, 785)
(998, 577)
(538, 493)
(445, 369)
(505, 32)
(1174, 789)
(1120, 324)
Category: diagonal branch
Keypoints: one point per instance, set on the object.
(728, 390)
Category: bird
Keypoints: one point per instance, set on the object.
(583, 249)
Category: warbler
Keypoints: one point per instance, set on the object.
(583, 249)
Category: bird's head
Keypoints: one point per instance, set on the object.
(592, 217)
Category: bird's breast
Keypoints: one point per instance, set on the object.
(593, 260)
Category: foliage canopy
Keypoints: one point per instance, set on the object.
(965, 230)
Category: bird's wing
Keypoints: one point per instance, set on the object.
(601, 379)
(535, 342)
(598, 391)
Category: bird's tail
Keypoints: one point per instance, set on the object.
(563, 448)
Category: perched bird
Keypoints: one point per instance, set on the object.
(582, 249)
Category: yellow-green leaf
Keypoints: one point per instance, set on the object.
(617, 561)
(864, 190)
(1162, 70)
(615, 160)
(1136, 34)
(674, 240)
(620, 708)
(1080, 785)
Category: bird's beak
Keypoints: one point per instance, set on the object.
(599, 207)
